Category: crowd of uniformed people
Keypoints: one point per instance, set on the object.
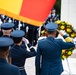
(13, 48)
(30, 30)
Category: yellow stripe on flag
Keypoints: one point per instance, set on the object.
(21, 18)
(12, 6)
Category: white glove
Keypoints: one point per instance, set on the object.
(25, 40)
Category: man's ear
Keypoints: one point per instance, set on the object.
(7, 52)
(12, 30)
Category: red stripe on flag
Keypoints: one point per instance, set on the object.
(36, 9)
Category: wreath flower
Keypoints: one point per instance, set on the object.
(68, 28)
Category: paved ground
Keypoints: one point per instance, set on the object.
(30, 66)
(70, 65)
(69, 68)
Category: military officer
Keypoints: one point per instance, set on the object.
(7, 28)
(5, 67)
(50, 50)
(19, 53)
(52, 16)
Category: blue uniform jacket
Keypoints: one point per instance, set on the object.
(49, 50)
(19, 55)
(8, 69)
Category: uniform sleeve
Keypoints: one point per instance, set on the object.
(67, 39)
(66, 45)
(30, 53)
(37, 61)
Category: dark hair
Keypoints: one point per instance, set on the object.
(50, 32)
(17, 40)
(4, 49)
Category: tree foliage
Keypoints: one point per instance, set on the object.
(58, 6)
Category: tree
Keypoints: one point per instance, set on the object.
(58, 7)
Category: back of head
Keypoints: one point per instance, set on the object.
(51, 28)
(5, 43)
(7, 28)
(17, 36)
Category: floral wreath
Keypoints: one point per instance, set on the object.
(62, 25)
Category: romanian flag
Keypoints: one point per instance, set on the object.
(33, 12)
